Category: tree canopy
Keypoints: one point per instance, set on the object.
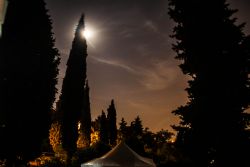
(72, 94)
(111, 118)
(211, 46)
(28, 77)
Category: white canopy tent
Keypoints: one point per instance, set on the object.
(122, 156)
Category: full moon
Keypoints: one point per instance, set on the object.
(87, 33)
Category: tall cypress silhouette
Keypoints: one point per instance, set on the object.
(111, 118)
(86, 117)
(103, 128)
(72, 94)
(28, 72)
(212, 130)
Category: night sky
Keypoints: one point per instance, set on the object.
(129, 56)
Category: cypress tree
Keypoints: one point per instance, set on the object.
(86, 117)
(28, 78)
(103, 128)
(111, 118)
(72, 94)
(212, 130)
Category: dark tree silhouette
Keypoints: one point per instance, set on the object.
(135, 134)
(213, 123)
(136, 126)
(123, 129)
(28, 78)
(163, 136)
(103, 128)
(112, 129)
(72, 95)
(86, 117)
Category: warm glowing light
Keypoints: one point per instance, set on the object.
(79, 125)
(95, 136)
(88, 33)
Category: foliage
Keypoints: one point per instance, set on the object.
(72, 94)
(28, 77)
(136, 127)
(156, 145)
(103, 128)
(54, 162)
(123, 129)
(211, 46)
(111, 119)
(55, 137)
(86, 119)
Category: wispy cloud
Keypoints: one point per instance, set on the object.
(157, 77)
(151, 26)
(126, 34)
(115, 63)
(160, 76)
